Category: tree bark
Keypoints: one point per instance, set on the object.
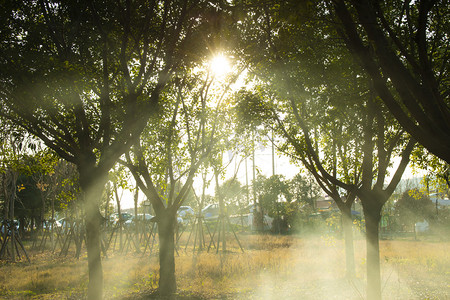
(166, 232)
(347, 226)
(92, 187)
(95, 287)
(372, 216)
(137, 222)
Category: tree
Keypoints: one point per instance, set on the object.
(303, 64)
(14, 144)
(37, 165)
(304, 188)
(165, 161)
(40, 167)
(437, 170)
(84, 77)
(251, 130)
(272, 192)
(269, 191)
(304, 192)
(66, 179)
(403, 46)
(32, 165)
(332, 121)
(381, 140)
(29, 201)
(413, 206)
(233, 193)
(119, 177)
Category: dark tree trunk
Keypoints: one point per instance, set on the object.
(13, 226)
(43, 208)
(137, 222)
(347, 226)
(92, 186)
(95, 287)
(372, 214)
(166, 231)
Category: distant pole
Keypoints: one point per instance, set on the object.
(255, 200)
(273, 155)
(254, 172)
(246, 181)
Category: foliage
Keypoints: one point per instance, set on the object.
(332, 120)
(233, 194)
(304, 189)
(414, 206)
(66, 178)
(41, 190)
(251, 111)
(403, 47)
(438, 171)
(189, 132)
(85, 77)
(271, 192)
(29, 200)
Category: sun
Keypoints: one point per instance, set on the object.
(219, 65)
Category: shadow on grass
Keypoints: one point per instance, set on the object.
(180, 295)
(154, 294)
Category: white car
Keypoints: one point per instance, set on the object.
(186, 212)
(211, 211)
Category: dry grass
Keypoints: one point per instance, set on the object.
(45, 275)
(272, 267)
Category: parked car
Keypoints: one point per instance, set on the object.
(129, 222)
(65, 223)
(246, 218)
(141, 217)
(211, 211)
(186, 212)
(114, 218)
(47, 224)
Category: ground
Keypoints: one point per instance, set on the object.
(271, 267)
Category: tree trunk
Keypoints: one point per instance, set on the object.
(137, 222)
(372, 216)
(52, 242)
(92, 187)
(347, 226)
(166, 231)
(12, 225)
(108, 198)
(12, 208)
(43, 208)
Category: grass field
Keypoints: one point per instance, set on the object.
(272, 267)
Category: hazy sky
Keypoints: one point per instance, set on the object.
(263, 162)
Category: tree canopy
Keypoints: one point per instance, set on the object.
(403, 46)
